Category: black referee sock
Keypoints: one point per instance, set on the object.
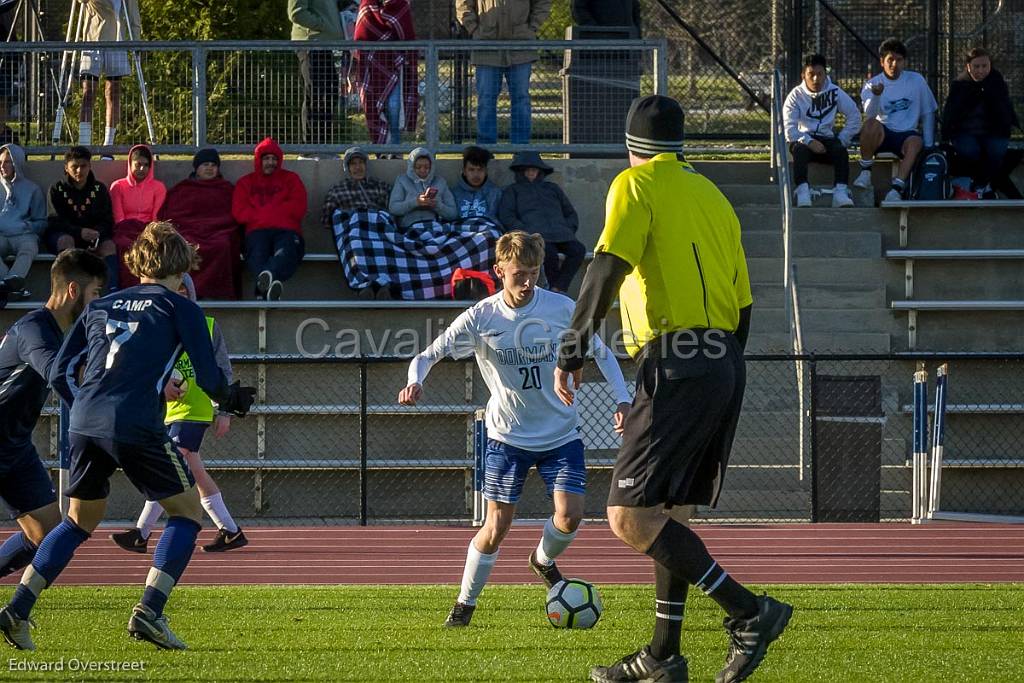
(681, 551)
(669, 608)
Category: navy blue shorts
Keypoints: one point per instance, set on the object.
(157, 470)
(187, 435)
(893, 141)
(506, 467)
(25, 485)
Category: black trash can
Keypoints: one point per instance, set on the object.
(599, 86)
(846, 465)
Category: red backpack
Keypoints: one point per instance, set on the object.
(472, 285)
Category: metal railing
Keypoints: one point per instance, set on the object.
(230, 94)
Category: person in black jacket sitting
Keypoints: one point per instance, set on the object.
(977, 120)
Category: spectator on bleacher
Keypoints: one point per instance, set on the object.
(533, 205)
(22, 218)
(316, 20)
(357, 192)
(977, 120)
(476, 194)
(136, 201)
(387, 79)
(899, 111)
(420, 194)
(200, 206)
(810, 115)
(81, 213)
(503, 20)
(269, 204)
(104, 20)
(607, 13)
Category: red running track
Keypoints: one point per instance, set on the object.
(790, 553)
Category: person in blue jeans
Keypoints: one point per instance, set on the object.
(977, 119)
(502, 20)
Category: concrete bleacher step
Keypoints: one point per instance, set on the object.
(820, 270)
(746, 194)
(832, 320)
(983, 279)
(761, 244)
(824, 296)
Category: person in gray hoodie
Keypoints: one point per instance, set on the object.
(476, 195)
(420, 194)
(22, 218)
(532, 205)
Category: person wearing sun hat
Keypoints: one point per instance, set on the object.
(671, 252)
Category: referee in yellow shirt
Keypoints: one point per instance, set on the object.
(671, 250)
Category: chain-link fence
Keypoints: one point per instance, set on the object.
(573, 97)
(821, 438)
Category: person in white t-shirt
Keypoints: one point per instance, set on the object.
(514, 335)
(810, 116)
(896, 103)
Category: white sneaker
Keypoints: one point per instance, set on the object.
(841, 198)
(803, 195)
(863, 180)
(893, 195)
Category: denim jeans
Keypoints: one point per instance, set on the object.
(488, 87)
(395, 115)
(982, 156)
(276, 250)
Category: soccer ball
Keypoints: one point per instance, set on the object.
(573, 603)
(178, 380)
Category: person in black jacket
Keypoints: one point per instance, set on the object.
(82, 215)
(607, 13)
(977, 120)
(532, 205)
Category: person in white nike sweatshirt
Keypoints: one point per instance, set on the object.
(810, 116)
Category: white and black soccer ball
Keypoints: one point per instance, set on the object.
(573, 603)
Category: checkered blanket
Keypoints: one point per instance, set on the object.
(419, 260)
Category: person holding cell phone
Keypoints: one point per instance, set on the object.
(420, 194)
(82, 214)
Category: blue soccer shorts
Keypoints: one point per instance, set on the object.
(187, 434)
(156, 469)
(25, 485)
(506, 467)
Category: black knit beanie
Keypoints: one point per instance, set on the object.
(654, 125)
(205, 155)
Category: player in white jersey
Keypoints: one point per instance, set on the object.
(514, 335)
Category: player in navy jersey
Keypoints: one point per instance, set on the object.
(112, 368)
(26, 354)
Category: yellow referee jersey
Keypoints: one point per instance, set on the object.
(682, 238)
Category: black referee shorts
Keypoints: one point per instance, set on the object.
(677, 437)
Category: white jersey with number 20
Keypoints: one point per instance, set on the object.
(517, 351)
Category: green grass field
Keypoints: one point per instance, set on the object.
(349, 633)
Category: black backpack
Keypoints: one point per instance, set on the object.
(930, 180)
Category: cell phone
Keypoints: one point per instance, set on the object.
(431, 192)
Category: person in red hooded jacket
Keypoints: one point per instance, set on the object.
(269, 204)
(136, 201)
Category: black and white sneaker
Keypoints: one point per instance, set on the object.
(460, 615)
(644, 667)
(131, 540)
(15, 630)
(275, 291)
(226, 540)
(263, 282)
(548, 573)
(749, 638)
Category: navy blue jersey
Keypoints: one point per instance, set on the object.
(27, 352)
(128, 342)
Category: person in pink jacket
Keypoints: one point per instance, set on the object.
(136, 200)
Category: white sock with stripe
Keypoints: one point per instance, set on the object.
(475, 575)
(553, 542)
(150, 515)
(218, 511)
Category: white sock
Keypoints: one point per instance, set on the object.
(474, 576)
(865, 164)
(108, 135)
(553, 543)
(151, 512)
(218, 511)
(841, 186)
(84, 133)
